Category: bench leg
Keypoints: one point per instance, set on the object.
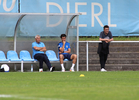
(15, 67)
(21, 66)
(31, 67)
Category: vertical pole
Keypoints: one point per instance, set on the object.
(19, 6)
(21, 66)
(31, 67)
(15, 67)
(77, 24)
(15, 30)
(14, 42)
(87, 56)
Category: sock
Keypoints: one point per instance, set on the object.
(62, 66)
(72, 67)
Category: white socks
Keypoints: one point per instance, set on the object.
(62, 66)
(72, 67)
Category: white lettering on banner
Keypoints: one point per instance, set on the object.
(101, 10)
(5, 6)
(61, 11)
(68, 7)
(68, 11)
(83, 13)
(109, 16)
(96, 15)
(77, 4)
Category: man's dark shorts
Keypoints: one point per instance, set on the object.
(67, 56)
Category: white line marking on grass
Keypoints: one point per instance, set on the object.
(5, 96)
(29, 98)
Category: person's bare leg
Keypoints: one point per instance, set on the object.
(74, 58)
(61, 62)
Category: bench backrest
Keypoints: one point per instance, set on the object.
(11, 54)
(51, 55)
(24, 54)
(2, 55)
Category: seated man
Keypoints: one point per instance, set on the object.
(64, 53)
(38, 53)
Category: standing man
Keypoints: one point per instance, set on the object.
(38, 53)
(64, 53)
(106, 37)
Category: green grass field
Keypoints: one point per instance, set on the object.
(119, 85)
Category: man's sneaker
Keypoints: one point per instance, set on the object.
(72, 70)
(40, 70)
(63, 70)
(103, 70)
(52, 69)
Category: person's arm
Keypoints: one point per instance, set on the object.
(106, 40)
(43, 49)
(110, 40)
(40, 48)
(62, 48)
(100, 39)
(111, 37)
(37, 48)
(69, 50)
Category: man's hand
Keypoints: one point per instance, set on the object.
(37, 48)
(69, 50)
(65, 51)
(107, 41)
(63, 47)
(103, 39)
(60, 52)
(64, 42)
(40, 48)
(110, 40)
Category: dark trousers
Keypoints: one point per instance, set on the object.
(42, 57)
(103, 59)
